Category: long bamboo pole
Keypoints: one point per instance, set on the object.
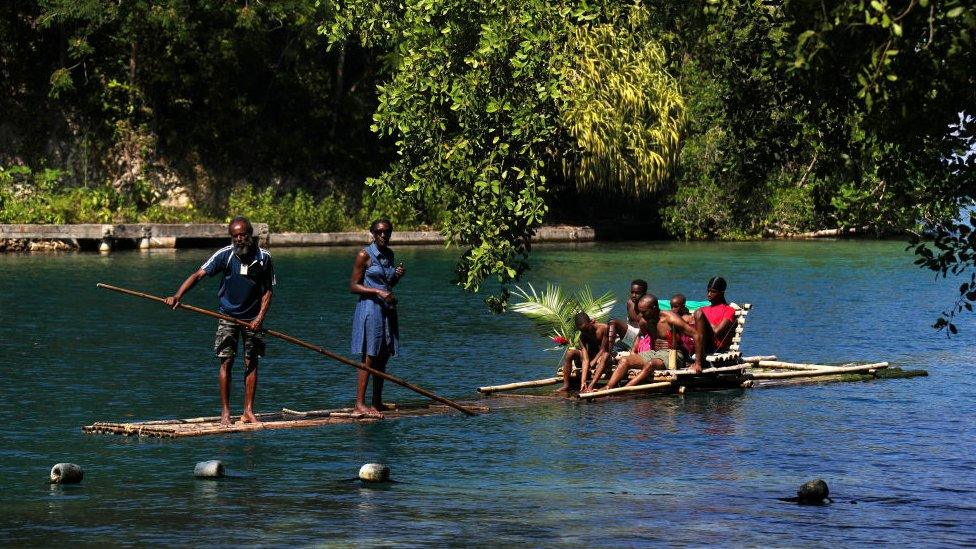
(300, 343)
(828, 371)
(632, 389)
(520, 385)
(792, 365)
(757, 359)
(705, 371)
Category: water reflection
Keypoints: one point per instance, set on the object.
(207, 489)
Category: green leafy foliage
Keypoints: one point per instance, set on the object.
(27, 196)
(493, 107)
(470, 105)
(620, 105)
(951, 251)
(803, 116)
(722, 118)
(299, 211)
(292, 212)
(214, 92)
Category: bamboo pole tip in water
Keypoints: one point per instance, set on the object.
(374, 472)
(209, 469)
(66, 473)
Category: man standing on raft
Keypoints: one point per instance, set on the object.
(247, 277)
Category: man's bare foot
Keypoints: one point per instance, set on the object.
(695, 368)
(562, 391)
(249, 417)
(587, 389)
(368, 411)
(384, 407)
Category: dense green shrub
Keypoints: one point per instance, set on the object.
(299, 211)
(28, 196)
(292, 212)
(157, 213)
(792, 207)
(426, 211)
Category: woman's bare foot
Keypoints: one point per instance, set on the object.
(249, 417)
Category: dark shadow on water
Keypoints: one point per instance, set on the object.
(797, 501)
(385, 485)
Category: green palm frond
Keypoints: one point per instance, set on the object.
(597, 309)
(553, 311)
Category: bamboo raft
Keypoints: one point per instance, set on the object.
(728, 370)
(725, 370)
(285, 419)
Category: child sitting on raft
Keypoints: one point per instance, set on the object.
(593, 351)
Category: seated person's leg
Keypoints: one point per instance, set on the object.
(625, 364)
(571, 357)
(704, 334)
(598, 373)
(649, 366)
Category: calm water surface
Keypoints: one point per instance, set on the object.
(899, 455)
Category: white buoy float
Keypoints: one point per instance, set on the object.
(209, 469)
(374, 472)
(66, 473)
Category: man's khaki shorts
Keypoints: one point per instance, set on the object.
(228, 333)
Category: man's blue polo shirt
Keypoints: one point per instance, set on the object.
(241, 288)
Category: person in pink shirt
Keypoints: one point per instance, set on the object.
(679, 306)
(714, 323)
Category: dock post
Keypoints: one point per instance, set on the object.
(146, 241)
(107, 240)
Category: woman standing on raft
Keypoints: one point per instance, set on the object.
(375, 333)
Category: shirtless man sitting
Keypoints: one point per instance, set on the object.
(593, 351)
(658, 334)
(714, 324)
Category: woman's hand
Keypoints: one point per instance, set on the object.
(387, 297)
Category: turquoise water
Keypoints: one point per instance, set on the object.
(701, 469)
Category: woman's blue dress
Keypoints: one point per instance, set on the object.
(374, 324)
